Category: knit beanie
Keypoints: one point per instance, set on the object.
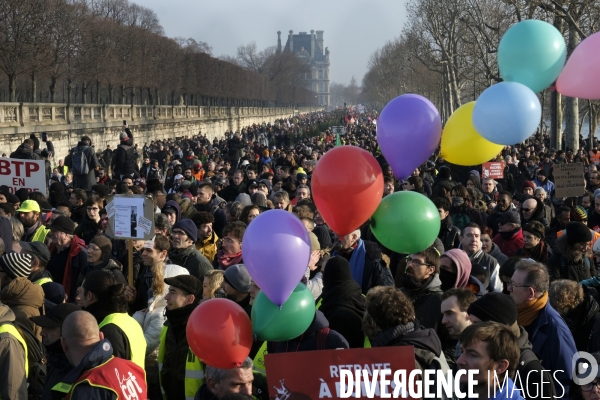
(529, 184)
(578, 214)
(16, 265)
(104, 244)
(188, 226)
(337, 270)
(578, 232)
(259, 199)
(496, 307)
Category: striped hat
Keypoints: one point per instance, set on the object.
(16, 265)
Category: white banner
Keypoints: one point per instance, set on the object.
(17, 174)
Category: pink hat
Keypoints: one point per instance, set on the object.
(463, 266)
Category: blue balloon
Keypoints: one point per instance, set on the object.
(507, 113)
(533, 53)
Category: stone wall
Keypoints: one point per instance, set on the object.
(102, 123)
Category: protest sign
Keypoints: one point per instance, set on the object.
(130, 217)
(314, 375)
(568, 180)
(338, 130)
(494, 170)
(17, 174)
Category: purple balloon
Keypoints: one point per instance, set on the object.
(276, 250)
(408, 132)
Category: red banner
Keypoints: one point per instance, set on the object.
(316, 374)
(494, 170)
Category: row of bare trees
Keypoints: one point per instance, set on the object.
(114, 51)
(448, 53)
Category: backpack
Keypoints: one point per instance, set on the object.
(79, 161)
(36, 355)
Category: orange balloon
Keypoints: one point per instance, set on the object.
(219, 332)
(347, 186)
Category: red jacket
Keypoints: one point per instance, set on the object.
(510, 246)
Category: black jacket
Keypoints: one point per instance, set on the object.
(427, 300)
(218, 213)
(584, 323)
(25, 152)
(192, 260)
(308, 340)
(115, 335)
(449, 234)
(58, 367)
(562, 264)
(125, 158)
(85, 182)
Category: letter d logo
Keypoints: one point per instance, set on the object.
(584, 368)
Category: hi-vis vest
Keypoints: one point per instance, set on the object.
(10, 329)
(41, 281)
(259, 358)
(194, 369)
(134, 333)
(124, 378)
(40, 234)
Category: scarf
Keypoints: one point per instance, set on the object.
(357, 262)
(448, 279)
(529, 311)
(538, 253)
(227, 260)
(74, 249)
(384, 337)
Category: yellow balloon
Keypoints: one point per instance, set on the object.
(461, 144)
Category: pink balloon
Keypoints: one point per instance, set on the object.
(580, 77)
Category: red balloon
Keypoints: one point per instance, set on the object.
(219, 332)
(347, 186)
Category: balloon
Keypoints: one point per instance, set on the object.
(461, 144)
(347, 184)
(219, 333)
(507, 113)
(406, 222)
(408, 133)
(533, 53)
(580, 76)
(276, 249)
(269, 322)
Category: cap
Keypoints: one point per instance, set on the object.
(45, 206)
(187, 283)
(38, 249)
(510, 217)
(63, 224)
(29, 205)
(237, 276)
(55, 316)
(253, 183)
(178, 176)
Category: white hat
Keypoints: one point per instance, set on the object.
(178, 177)
(245, 162)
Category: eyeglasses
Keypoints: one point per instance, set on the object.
(590, 386)
(179, 233)
(413, 261)
(514, 285)
(527, 209)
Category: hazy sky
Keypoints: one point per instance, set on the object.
(353, 29)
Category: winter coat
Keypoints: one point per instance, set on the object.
(25, 152)
(308, 340)
(87, 229)
(110, 265)
(234, 146)
(449, 234)
(12, 362)
(76, 262)
(231, 191)
(153, 319)
(529, 362)
(125, 158)
(497, 254)
(112, 332)
(584, 323)
(218, 213)
(493, 283)
(57, 368)
(553, 344)
(25, 299)
(427, 300)
(492, 221)
(562, 264)
(510, 246)
(85, 182)
(192, 260)
(538, 215)
(593, 220)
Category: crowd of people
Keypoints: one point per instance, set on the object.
(508, 287)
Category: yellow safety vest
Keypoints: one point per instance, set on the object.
(194, 368)
(40, 234)
(10, 329)
(259, 359)
(41, 281)
(134, 333)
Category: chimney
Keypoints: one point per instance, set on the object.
(291, 40)
(279, 41)
(320, 41)
(312, 44)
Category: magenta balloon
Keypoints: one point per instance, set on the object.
(276, 250)
(408, 132)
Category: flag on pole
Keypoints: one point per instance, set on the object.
(338, 142)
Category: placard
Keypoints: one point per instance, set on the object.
(494, 170)
(316, 374)
(17, 174)
(338, 130)
(569, 180)
(130, 217)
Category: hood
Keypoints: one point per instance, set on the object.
(463, 266)
(170, 270)
(539, 213)
(173, 203)
(6, 314)
(434, 286)
(25, 148)
(495, 252)
(476, 286)
(523, 340)
(319, 322)
(422, 338)
(23, 292)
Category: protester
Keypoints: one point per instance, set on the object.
(14, 360)
(184, 253)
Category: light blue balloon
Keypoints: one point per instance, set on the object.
(533, 53)
(507, 113)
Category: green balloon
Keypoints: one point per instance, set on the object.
(406, 222)
(269, 322)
